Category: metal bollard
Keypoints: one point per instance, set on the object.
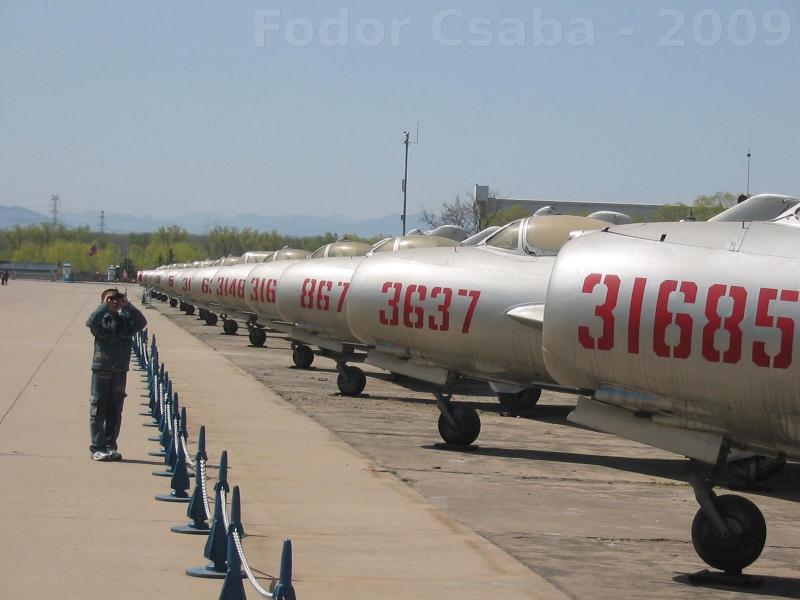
(285, 590)
(197, 505)
(216, 547)
(233, 587)
(180, 478)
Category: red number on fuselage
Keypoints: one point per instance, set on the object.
(604, 311)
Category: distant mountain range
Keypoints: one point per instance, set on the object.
(199, 223)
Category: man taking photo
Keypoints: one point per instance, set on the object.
(113, 325)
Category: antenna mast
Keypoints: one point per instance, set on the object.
(55, 201)
(748, 171)
(102, 221)
(407, 141)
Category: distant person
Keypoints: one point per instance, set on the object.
(5, 277)
(113, 325)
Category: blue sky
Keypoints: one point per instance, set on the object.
(166, 107)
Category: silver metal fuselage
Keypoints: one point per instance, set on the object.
(693, 323)
(447, 307)
(312, 295)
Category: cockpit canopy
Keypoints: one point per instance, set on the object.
(341, 248)
(289, 254)
(541, 235)
(258, 256)
(762, 207)
(412, 241)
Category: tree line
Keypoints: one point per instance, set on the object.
(89, 251)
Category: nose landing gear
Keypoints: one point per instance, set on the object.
(258, 336)
(459, 425)
(351, 380)
(230, 327)
(728, 532)
(302, 356)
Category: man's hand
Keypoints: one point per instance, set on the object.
(116, 302)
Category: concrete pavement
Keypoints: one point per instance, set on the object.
(75, 528)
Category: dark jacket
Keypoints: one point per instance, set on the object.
(113, 335)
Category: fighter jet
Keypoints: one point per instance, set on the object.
(439, 314)
(308, 298)
(683, 337)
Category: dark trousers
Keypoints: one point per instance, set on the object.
(105, 408)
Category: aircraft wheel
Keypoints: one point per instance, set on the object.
(351, 381)
(230, 327)
(211, 318)
(173, 302)
(181, 306)
(748, 534)
(302, 356)
(189, 309)
(757, 468)
(468, 426)
(520, 401)
(257, 337)
(201, 313)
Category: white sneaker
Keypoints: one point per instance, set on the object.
(100, 456)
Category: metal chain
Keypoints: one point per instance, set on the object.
(224, 501)
(247, 570)
(204, 488)
(176, 436)
(168, 416)
(189, 461)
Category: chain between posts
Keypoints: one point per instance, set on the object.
(189, 461)
(172, 422)
(204, 488)
(224, 501)
(248, 571)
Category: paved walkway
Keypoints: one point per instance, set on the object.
(78, 529)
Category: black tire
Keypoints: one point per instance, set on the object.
(173, 302)
(211, 318)
(302, 356)
(201, 313)
(189, 309)
(520, 402)
(181, 306)
(468, 426)
(748, 534)
(351, 381)
(230, 327)
(257, 337)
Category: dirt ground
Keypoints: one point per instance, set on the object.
(595, 515)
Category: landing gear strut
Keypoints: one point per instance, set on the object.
(302, 356)
(728, 532)
(351, 380)
(458, 424)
